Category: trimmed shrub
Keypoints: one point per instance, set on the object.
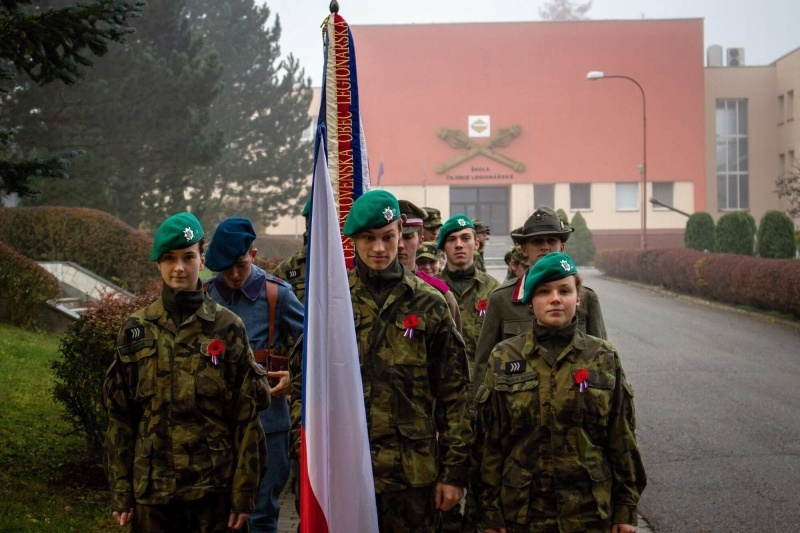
(735, 234)
(776, 236)
(580, 245)
(699, 233)
(95, 240)
(86, 351)
(768, 284)
(25, 287)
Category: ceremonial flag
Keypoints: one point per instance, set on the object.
(337, 492)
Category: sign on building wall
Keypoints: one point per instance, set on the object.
(479, 125)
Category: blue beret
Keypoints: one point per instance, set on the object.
(453, 224)
(232, 240)
(551, 267)
(175, 233)
(372, 210)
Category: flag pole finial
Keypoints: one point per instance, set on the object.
(334, 6)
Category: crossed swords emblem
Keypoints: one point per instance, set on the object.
(460, 141)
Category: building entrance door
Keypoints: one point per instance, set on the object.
(489, 204)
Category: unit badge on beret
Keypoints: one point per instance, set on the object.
(566, 266)
(388, 214)
(538, 216)
(188, 234)
(462, 222)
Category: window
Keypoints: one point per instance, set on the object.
(780, 109)
(627, 196)
(664, 192)
(782, 163)
(789, 105)
(544, 194)
(792, 162)
(580, 196)
(733, 185)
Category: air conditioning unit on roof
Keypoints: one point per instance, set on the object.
(735, 57)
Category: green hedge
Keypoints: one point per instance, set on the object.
(25, 287)
(735, 234)
(768, 284)
(580, 245)
(699, 234)
(93, 239)
(776, 236)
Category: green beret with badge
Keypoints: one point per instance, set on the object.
(307, 207)
(175, 233)
(454, 223)
(372, 210)
(551, 267)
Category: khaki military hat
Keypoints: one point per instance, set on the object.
(415, 216)
(372, 210)
(481, 226)
(428, 251)
(176, 233)
(434, 218)
(543, 221)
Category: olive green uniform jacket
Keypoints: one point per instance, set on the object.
(551, 456)
(472, 317)
(506, 318)
(293, 270)
(179, 426)
(414, 387)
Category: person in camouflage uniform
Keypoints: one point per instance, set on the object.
(293, 269)
(556, 438)
(414, 382)
(506, 315)
(470, 286)
(428, 258)
(184, 446)
(431, 224)
(481, 236)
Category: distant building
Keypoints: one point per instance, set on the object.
(493, 119)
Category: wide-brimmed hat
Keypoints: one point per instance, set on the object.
(543, 221)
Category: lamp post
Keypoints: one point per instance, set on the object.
(596, 75)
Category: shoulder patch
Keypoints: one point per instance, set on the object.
(134, 334)
(515, 367)
(293, 273)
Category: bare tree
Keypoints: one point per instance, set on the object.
(789, 187)
(564, 10)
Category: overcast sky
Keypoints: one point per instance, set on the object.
(767, 29)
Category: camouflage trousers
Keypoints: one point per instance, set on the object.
(207, 515)
(409, 510)
(551, 526)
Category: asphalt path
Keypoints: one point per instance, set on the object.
(717, 396)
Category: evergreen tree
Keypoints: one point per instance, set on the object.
(699, 232)
(564, 10)
(262, 111)
(776, 236)
(580, 245)
(142, 116)
(49, 45)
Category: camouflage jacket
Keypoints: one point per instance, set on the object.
(293, 270)
(470, 299)
(414, 387)
(549, 454)
(506, 318)
(179, 425)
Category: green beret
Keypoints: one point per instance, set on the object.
(454, 223)
(552, 267)
(307, 207)
(415, 216)
(231, 240)
(543, 221)
(177, 232)
(434, 218)
(428, 251)
(372, 210)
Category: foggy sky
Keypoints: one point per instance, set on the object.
(767, 29)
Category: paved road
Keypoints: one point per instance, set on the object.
(718, 409)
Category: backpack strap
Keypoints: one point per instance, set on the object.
(272, 300)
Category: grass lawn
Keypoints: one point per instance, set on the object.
(46, 481)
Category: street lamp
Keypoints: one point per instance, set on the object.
(596, 75)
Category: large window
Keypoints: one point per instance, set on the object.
(732, 155)
(544, 194)
(627, 196)
(580, 196)
(664, 192)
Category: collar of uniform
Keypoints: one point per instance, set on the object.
(156, 310)
(251, 288)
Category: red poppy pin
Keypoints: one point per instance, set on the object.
(410, 322)
(215, 349)
(582, 378)
(481, 307)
